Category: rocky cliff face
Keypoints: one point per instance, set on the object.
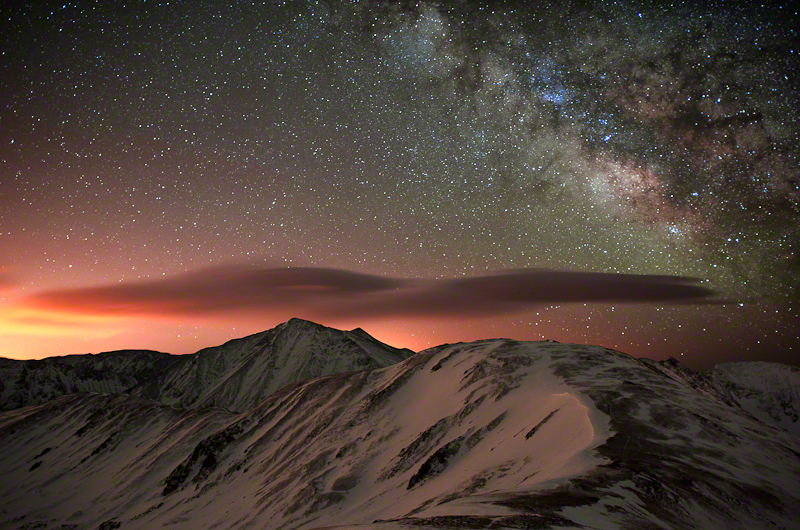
(490, 434)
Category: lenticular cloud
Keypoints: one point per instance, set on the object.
(323, 292)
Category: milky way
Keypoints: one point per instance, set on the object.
(414, 140)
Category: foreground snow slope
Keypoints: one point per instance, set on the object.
(496, 434)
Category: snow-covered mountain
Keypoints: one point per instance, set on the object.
(767, 391)
(237, 375)
(25, 383)
(241, 373)
(490, 434)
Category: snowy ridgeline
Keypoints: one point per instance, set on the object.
(236, 376)
(25, 383)
(496, 433)
(768, 391)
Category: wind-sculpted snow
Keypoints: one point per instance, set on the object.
(491, 434)
(33, 382)
(389, 443)
(241, 373)
(679, 456)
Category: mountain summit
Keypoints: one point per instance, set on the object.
(241, 373)
(236, 376)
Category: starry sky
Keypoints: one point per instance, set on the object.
(174, 175)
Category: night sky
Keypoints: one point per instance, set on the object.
(174, 175)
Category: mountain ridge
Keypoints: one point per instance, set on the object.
(212, 376)
(770, 392)
(489, 434)
(36, 381)
(263, 363)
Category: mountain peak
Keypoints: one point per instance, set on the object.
(243, 372)
(235, 375)
(300, 322)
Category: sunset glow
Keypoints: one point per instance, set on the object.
(174, 176)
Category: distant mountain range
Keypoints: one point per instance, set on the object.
(33, 382)
(236, 376)
(304, 427)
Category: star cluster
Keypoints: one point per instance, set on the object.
(418, 140)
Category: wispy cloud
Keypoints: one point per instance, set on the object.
(331, 293)
(8, 281)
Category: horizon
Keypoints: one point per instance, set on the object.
(686, 362)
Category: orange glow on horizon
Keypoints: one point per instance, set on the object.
(17, 319)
